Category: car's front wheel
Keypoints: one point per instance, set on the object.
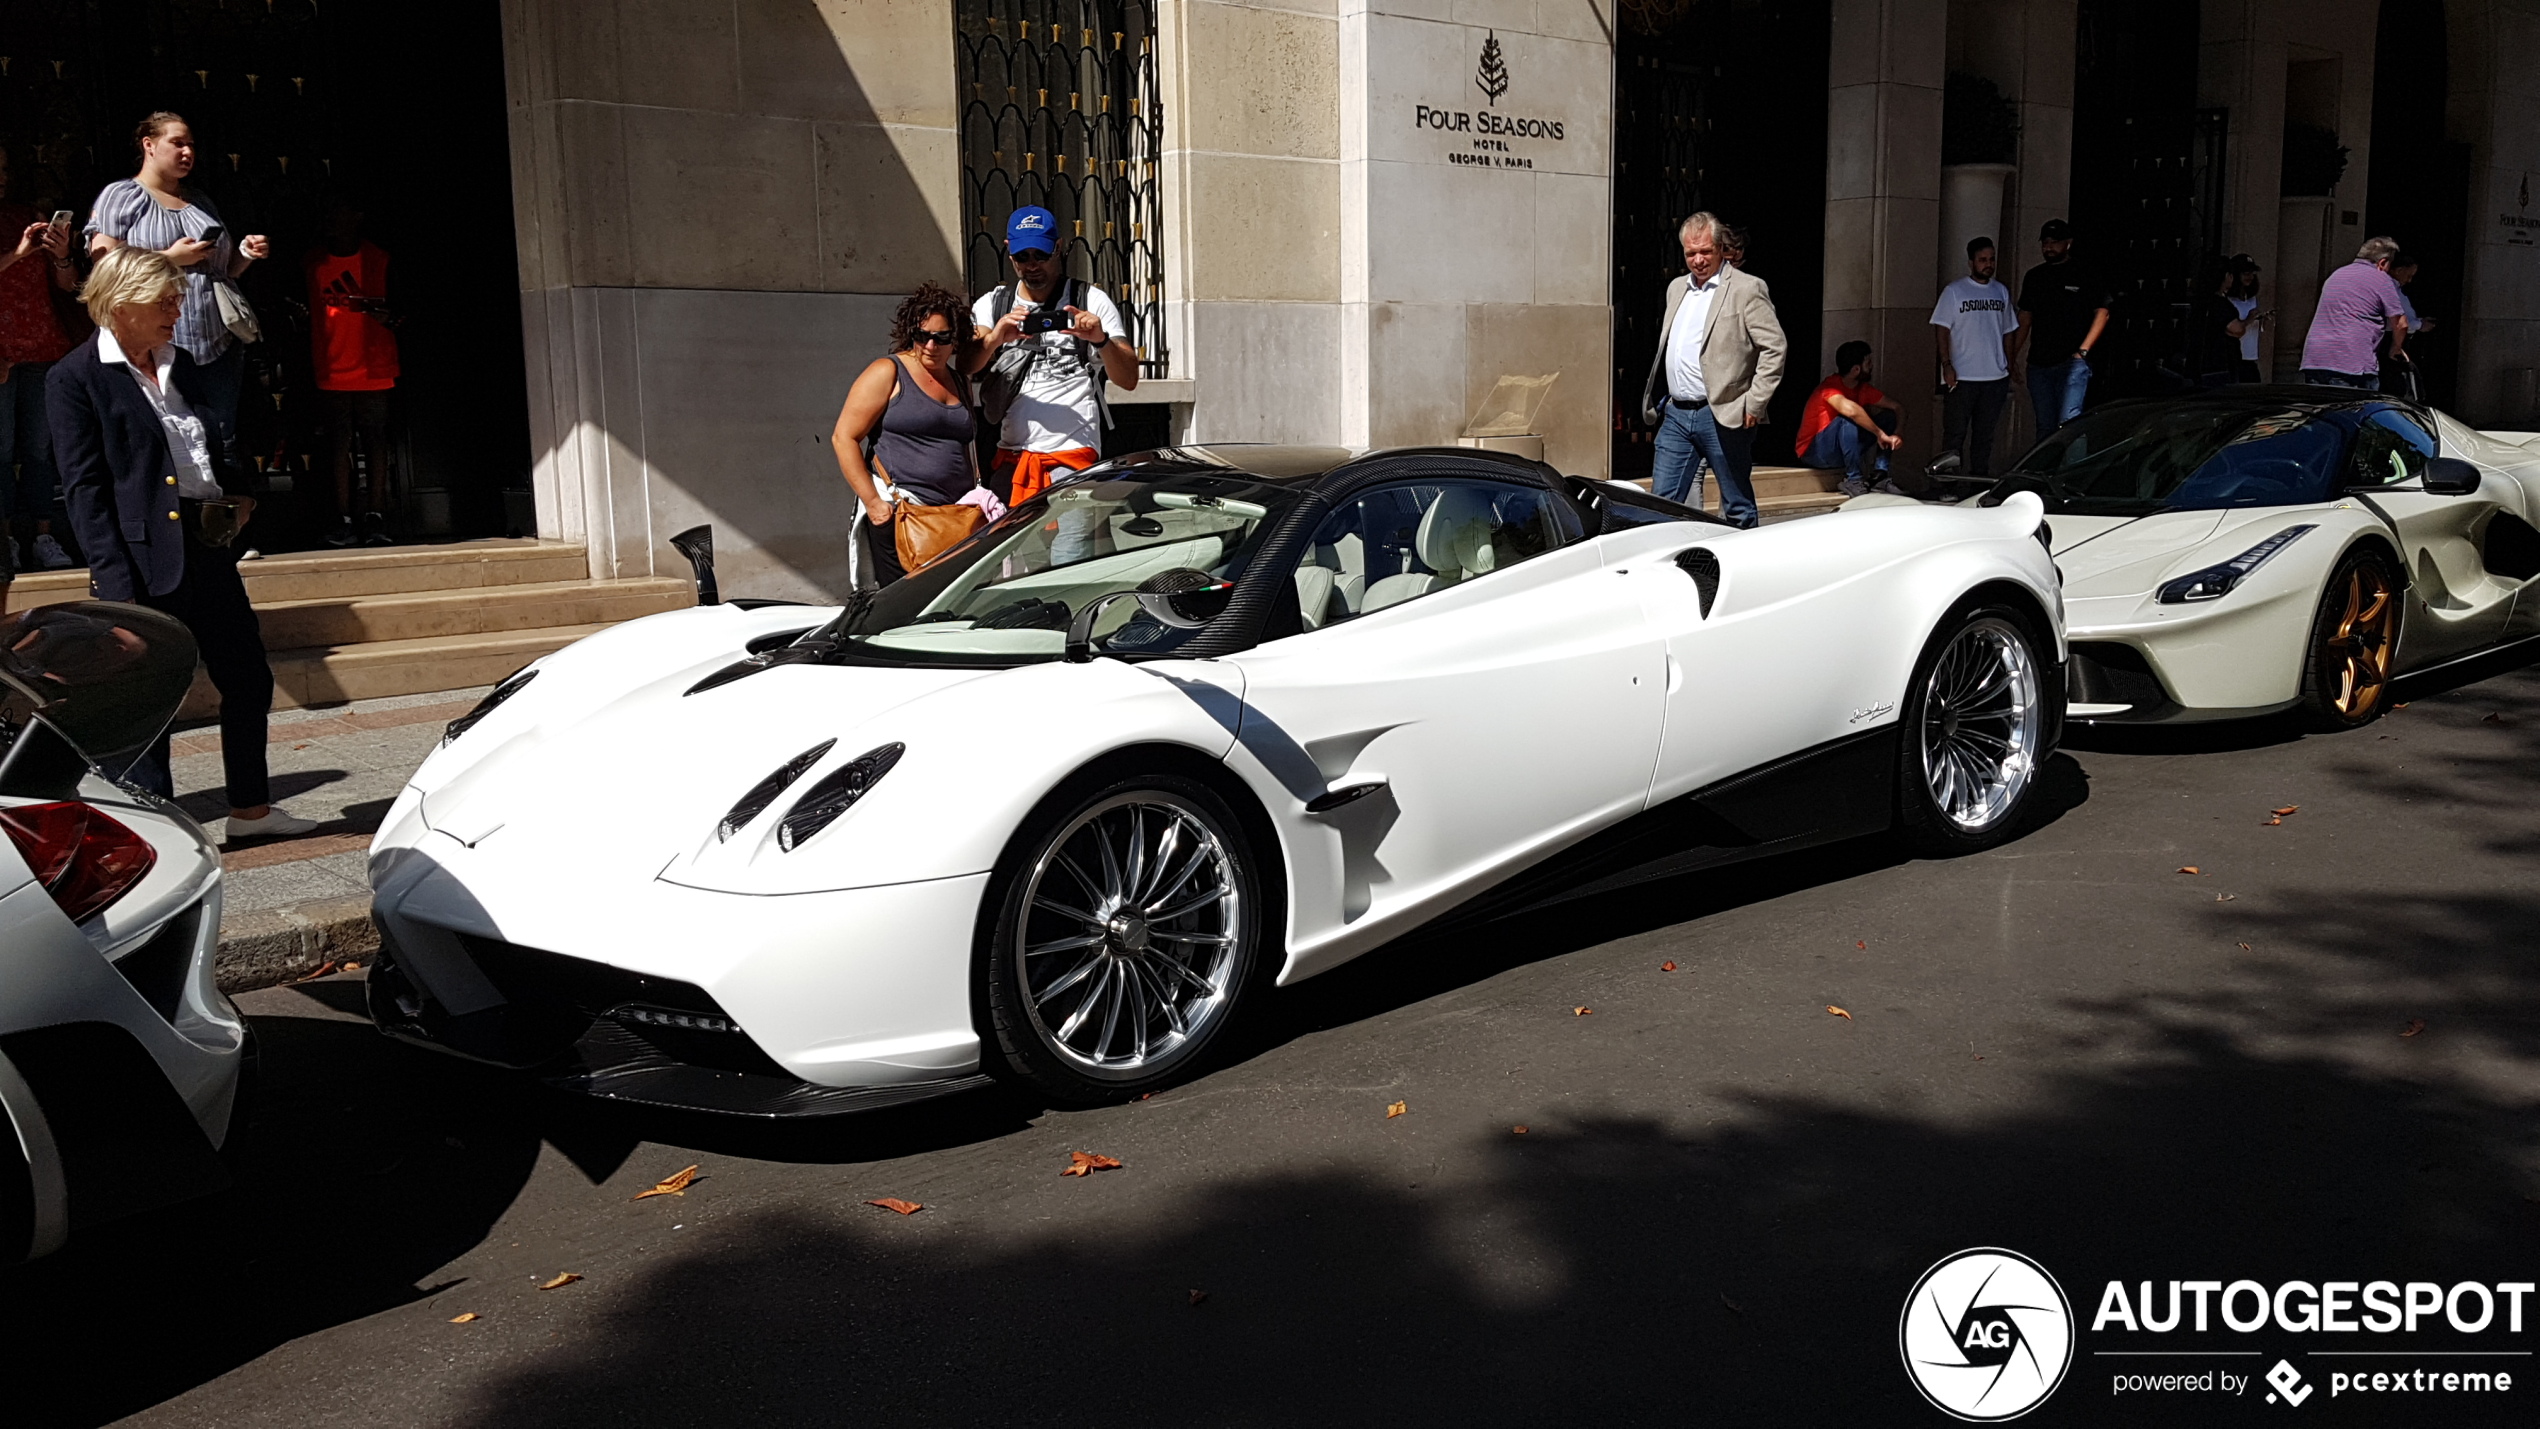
(1127, 932)
(1975, 727)
(2354, 640)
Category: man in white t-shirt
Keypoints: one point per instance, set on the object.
(2243, 293)
(1977, 328)
(1066, 338)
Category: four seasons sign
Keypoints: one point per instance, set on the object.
(1488, 137)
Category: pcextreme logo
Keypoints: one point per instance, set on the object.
(1986, 1335)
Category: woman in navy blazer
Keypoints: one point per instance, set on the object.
(137, 465)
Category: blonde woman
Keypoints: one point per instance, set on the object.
(141, 476)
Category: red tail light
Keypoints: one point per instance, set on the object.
(83, 858)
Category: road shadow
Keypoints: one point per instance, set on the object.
(1618, 1269)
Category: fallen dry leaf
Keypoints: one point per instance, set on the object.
(1086, 1163)
(1518, 1129)
(2286, 811)
(2244, 947)
(1581, 1011)
(2225, 897)
(1861, 943)
(1395, 1109)
(1666, 967)
(1198, 1298)
(321, 970)
(2191, 868)
(2271, 823)
(2400, 706)
(350, 968)
(675, 1184)
(894, 1203)
(468, 1318)
(2415, 1026)
(1839, 1012)
(1734, 1307)
(303, 746)
(1979, 1056)
(560, 1281)
(2497, 718)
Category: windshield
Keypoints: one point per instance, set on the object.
(1007, 595)
(2135, 459)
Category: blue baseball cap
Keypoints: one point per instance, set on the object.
(1031, 227)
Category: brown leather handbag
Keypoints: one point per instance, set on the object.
(923, 533)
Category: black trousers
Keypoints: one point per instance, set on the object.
(1969, 416)
(211, 602)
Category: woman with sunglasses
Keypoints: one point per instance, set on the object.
(915, 407)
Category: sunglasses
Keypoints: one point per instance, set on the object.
(1032, 255)
(946, 339)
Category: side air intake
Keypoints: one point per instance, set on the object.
(1704, 567)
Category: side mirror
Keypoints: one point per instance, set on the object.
(1182, 598)
(2450, 476)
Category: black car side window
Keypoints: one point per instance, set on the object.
(1398, 543)
(2391, 449)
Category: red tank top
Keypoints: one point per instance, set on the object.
(352, 351)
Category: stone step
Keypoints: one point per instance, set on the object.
(332, 674)
(351, 620)
(377, 570)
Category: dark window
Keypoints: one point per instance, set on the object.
(1060, 108)
(2135, 458)
(1398, 543)
(2390, 450)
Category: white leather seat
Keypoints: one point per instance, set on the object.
(1316, 586)
(1454, 542)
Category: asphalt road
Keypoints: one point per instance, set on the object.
(1720, 1198)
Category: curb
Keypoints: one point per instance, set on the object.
(275, 945)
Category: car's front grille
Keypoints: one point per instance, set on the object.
(2107, 672)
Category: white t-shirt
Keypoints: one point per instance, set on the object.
(1055, 410)
(1979, 316)
(2248, 330)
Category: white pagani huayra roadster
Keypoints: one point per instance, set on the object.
(1200, 723)
(2262, 550)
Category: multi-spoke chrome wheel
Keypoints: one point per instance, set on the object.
(1981, 724)
(1131, 934)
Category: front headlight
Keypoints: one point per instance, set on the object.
(2215, 582)
(835, 794)
(492, 701)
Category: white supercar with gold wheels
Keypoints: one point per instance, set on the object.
(2257, 550)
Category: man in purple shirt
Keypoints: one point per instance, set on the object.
(2358, 303)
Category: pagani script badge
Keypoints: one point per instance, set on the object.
(1986, 1335)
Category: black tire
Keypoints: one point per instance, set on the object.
(1960, 726)
(1167, 966)
(2353, 645)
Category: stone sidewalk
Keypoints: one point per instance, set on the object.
(291, 905)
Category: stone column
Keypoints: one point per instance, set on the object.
(1884, 77)
(2494, 95)
(718, 206)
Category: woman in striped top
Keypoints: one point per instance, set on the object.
(156, 209)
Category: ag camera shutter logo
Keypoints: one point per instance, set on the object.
(1986, 1335)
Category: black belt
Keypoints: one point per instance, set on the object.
(1688, 404)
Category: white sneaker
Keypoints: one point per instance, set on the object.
(49, 553)
(277, 823)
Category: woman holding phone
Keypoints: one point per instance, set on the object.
(156, 209)
(915, 406)
(35, 262)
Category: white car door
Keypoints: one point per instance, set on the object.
(2454, 603)
(1470, 694)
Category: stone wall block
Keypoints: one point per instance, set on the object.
(1278, 91)
(1263, 228)
(730, 200)
(889, 207)
(1417, 394)
(1272, 372)
(1574, 237)
(678, 54)
(849, 60)
(590, 216)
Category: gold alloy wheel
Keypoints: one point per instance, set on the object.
(2355, 668)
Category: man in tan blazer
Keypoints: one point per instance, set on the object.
(1720, 353)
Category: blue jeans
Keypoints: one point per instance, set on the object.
(1687, 435)
(1842, 443)
(26, 446)
(2056, 392)
(2322, 377)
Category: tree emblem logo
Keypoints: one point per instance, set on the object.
(1492, 76)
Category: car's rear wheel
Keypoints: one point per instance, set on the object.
(1975, 726)
(1127, 933)
(2354, 640)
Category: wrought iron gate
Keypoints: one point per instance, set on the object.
(1060, 108)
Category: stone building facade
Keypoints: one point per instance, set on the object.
(1364, 213)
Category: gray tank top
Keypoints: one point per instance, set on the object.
(924, 446)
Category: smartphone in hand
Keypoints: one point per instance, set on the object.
(62, 218)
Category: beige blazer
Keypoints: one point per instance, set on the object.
(1742, 352)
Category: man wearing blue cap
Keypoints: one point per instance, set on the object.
(1049, 343)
